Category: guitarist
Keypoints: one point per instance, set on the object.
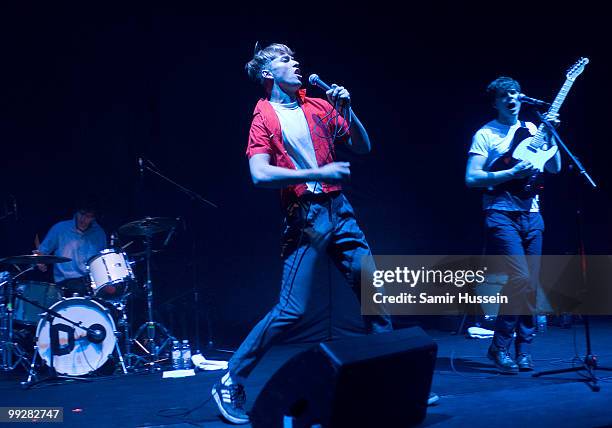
(513, 222)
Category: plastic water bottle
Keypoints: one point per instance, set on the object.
(541, 324)
(186, 354)
(177, 361)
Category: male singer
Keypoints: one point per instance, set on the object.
(291, 147)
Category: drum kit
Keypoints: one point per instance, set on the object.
(77, 335)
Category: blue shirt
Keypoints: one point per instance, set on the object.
(65, 240)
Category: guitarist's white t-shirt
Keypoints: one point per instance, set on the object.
(492, 141)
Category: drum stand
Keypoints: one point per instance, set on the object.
(11, 354)
(124, 327)
(151, 348)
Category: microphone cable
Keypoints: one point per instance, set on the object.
(332, 117)
(337, 132)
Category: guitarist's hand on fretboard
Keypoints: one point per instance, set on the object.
(553, 119)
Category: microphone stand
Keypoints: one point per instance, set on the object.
(188, 192)
(589, 362)
(195, 197)
(7, 215)
(32, 375)
(560, 143)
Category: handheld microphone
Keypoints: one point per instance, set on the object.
(314, 80)
(533, 101)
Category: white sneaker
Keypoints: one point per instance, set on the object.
(433, 399)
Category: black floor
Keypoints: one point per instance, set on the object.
(472, 393)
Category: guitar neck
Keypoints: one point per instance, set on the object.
(554, 109)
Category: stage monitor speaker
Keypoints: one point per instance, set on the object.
(379, 380)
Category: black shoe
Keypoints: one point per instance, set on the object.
(503, 361)
(230, 400)
(524, 362)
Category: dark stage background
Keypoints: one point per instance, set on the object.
(85, 92)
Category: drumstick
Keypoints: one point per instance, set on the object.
(127, 245)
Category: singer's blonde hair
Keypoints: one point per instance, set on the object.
(262, 57)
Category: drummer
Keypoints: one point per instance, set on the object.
(79, 239)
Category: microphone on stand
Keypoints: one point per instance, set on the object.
(533, 101)
(96, 333)
(140, 166)
(151, 163)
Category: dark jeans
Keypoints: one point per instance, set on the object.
(515, 235)
(315, 226)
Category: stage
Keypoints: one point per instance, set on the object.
(471, 392)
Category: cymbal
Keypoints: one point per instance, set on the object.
(147, 226)
(32, 259)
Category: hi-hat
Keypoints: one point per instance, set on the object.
(147, 226)
(32, 259)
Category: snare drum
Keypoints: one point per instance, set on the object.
(110, 273)
(68, 349)
(43, 293)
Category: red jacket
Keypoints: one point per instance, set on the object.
(265, 136)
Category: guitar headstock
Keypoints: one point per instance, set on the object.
(576, 69)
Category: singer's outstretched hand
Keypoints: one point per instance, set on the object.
(339, 97)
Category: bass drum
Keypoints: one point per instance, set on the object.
(69, 349)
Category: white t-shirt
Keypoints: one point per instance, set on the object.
(297, 139)
(492, 141)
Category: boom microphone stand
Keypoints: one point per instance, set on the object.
(147, 165)
(589, 362)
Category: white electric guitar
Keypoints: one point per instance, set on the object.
(535, 149)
